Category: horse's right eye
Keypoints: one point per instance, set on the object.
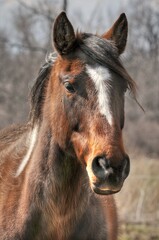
(69, 87)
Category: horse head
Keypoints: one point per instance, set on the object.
(86, 100)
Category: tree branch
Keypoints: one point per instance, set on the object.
(22, 46)
(35, 11)
(65, 5)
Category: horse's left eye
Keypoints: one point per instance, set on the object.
(69, 87)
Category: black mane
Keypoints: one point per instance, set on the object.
(38, 89)
(105, 53)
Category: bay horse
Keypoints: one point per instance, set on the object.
(54, 168)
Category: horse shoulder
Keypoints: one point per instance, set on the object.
(13, 145)
(11, 134)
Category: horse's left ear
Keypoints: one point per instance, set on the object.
(118, 33)
(63, 34)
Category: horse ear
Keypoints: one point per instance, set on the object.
(118, 33)
(63, 34)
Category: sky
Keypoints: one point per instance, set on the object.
(85, 15)
(79, 11)
(90, 10)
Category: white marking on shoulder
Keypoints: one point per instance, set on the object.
(32, 140)
(100, 75)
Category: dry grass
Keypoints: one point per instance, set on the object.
(138, 201)
(139, 232)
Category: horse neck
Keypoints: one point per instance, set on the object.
(60, 183)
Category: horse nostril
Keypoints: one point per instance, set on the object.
(101, 167)
(126, 167)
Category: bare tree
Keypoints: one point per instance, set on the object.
(21, 56)
(142, 61)
(145, 28)
(65, 5)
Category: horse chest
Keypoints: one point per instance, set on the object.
(85, 229)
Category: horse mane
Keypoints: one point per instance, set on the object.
(37, 92)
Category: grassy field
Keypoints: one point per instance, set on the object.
(139, 232)
(138, 201)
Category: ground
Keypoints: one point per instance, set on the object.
(138, 201)
(139, 232)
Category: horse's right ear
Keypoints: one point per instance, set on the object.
(63, 34)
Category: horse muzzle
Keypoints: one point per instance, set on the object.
(107, 178)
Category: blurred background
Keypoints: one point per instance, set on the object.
(25, 41)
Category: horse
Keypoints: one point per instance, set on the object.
(58, 170)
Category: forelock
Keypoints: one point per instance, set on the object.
(105, 53)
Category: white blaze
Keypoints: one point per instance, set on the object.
(32, 140)
(101, 77)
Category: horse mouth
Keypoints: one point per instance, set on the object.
(105, 191)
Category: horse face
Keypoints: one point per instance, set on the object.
(97, 136)
(93, 102)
